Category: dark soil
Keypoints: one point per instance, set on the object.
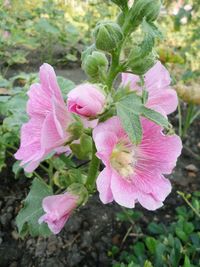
(91, 231)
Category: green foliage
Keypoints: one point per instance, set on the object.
(129, 109)
(27, 219)
(46, 28)
(176, 243)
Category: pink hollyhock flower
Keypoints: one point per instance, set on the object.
(86, 100)
(58, 209)
(157, 83)
(46, 131)
(134, 173)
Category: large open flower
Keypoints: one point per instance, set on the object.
(135, 173)
(157, 83)
(46, 131)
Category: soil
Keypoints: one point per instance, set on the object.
(93, 230)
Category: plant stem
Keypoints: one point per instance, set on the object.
(93, 169)
(188, 118)
(114, 69)
(50, 173)
(179, 119)
(189, 204)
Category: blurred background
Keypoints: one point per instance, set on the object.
(56, 32)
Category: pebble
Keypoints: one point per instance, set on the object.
(15, 235)
(191, 167)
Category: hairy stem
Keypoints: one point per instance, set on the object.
(93, 170)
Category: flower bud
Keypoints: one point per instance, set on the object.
(75, 129)
(140, 65)
(95, 64)
(86, 100)
(121, 3)
(58, 209)
(148, 9)
(107, 35)
(82, 150)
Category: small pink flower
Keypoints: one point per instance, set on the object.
(157, 83)
(135, 173)
(46, 131)
(86, 100)
(58, 209)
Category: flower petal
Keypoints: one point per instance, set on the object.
(124, 192)
(103, 185)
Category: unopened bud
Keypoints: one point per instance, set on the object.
(95, 64)
(140, 65)
(107, 35)
(148, 9)
(121, 3)
(75, 129)
(83, 149)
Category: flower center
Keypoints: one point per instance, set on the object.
(123, 160)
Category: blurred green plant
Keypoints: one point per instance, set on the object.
(171, 244)
(55, 31)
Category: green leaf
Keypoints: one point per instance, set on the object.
(151, 244)
(151, 32)
(148, 264)
(186, 262)
(27, 219)
(155, 117)
(155, 228)
(129, 109)
(175, 255)
(65, 85)
(131, 124)
(181, 234)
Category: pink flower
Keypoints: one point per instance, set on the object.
(135, 173)
(86, 100)
(58, 209)
(157, 82)
(46, 131)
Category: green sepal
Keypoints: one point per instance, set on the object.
(83, 149)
